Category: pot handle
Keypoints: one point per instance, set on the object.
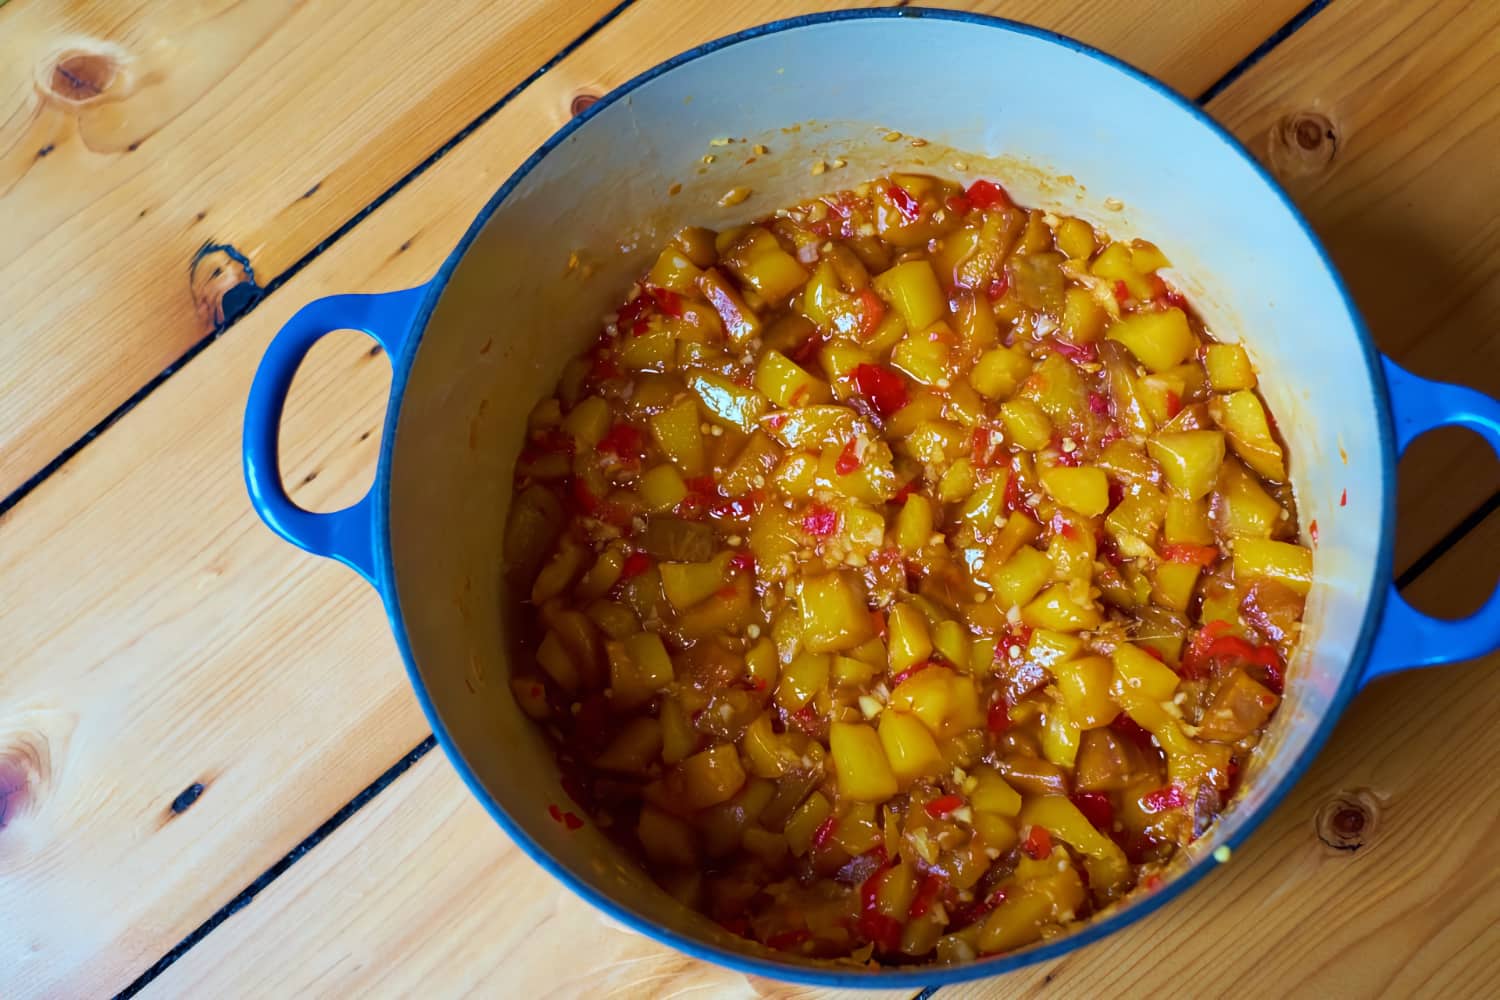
(346, 535)
(1405, 636)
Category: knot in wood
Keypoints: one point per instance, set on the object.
(1302, 143)
(76, 77)
(1347, 822)
(582, 102)
(24, 770)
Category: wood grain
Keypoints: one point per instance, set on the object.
(163, 637)
(486, 921)
(135, 135)
(1383, 119)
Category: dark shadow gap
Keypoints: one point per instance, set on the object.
(1452, 538)
(1281, 34)
(271, 874)
(248, 306)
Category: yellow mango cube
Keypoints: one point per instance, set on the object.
(909, 747)
(788, 384)
(708, 777)
(907, 637)
(834, 614)
(1243, 419)
(1026, 423)
(1159, 340)
(1000, 372)
(859, 761)
(662, 488)
(1084, 489)
(1228, 367)
(1055, 609)
(1021, 577)
(677, 432)
(912, 288)
(803, 678)
(1190, 460)
(1084, 686)
(1283, 562)
(1139, 672)
(927, 694)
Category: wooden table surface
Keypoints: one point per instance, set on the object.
(214, 780)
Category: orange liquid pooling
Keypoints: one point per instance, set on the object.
(913, 574)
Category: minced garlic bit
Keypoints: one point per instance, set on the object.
(892, 137)
(1221, 853)
(818, 168)
(919, 143)
(709, 158)
(760, 150)
(960, 165)
(870, 706)
(722, 141)
(753, 630)
(839, 163)
(734, 196)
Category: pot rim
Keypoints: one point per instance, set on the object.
(827, 973)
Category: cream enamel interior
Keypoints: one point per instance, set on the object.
(1027, 110)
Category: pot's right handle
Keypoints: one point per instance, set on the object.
(346, 535)
(1406, 637)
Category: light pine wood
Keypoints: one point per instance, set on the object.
(421, 894)
(162, 636)
(134, 133)
(1405, 196)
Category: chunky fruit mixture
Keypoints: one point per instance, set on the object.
(912, 574)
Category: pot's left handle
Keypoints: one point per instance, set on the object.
(346, 535)
(1406, 637)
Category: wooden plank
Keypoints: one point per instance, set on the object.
(172, 660)
(1409, 906)
(133, 134)
(446, 906)
(1383, 119)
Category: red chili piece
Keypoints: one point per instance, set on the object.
(742, 562)
(624, 442)
(571, 821)
(999, 286)
(1078, 353)
(903, 675)
(908, 206)
(1174, 403)
(668, 302)
(635, 564)
(848, 460)
(871, 312)
(941, 806)
(1186, 552)
(820, 521)
(882, 388)
(1163, 799)
(1038, 844)
(998, 719)
(824, 832)
(1122, 292)
(873, 925)
(987, 194)
(1344, 499)
(1096, 808)
(1312, 529)
(958, 204)
(584, 497)
(1099, 404)
(927, 894)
